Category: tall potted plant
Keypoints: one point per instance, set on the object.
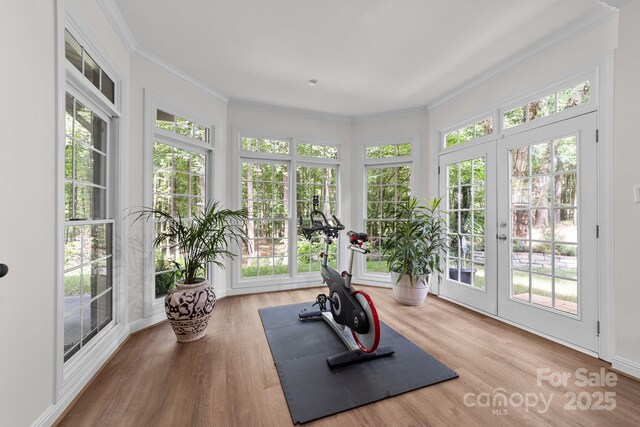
(414, 248)
(205, 238)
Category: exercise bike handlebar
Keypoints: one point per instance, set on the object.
(322, 225)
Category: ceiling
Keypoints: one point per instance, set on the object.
(369, 56)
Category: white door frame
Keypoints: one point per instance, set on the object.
(602, 69)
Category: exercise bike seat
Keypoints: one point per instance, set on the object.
(355, 236)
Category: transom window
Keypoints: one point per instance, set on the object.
(387, 151)
(561, 100)
(469, 132)
(176, 124)
(88, 227)
(80, 59)
(265, 145)
(318, 150)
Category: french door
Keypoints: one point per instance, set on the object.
(467, 180)
(522, 224)
(547, 230)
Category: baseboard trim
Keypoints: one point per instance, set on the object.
(374, 284)
(524, 328)
(626, 367)
(146, 322)
(264, 289)
(54, 412)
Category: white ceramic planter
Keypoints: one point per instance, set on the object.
(189, 308)
(407, 294)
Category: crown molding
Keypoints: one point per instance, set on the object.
(179, 74)
(118, 23)
(254, 105)
(573, 30)
(614, 4)
(391, 114)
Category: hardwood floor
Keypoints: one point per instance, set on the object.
(228, 378)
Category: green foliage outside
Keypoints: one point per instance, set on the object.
(391, 150)
(566, 290)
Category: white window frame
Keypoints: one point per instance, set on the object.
(475, 141)
(72, 375)
(293, 279)
(154, 307)
(559, 84)
(412, 161)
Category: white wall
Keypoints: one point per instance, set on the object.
(28, 210)
(409, 124)
(27, 207)
(627, 175)
(148, 76)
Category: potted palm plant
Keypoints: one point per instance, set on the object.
(414, 248)
(199, 240)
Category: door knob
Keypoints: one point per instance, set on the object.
(3, 270)
(502, 237)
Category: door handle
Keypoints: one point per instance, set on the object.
(3, 270)
(502, 237)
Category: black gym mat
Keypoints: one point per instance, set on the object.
(300, 349)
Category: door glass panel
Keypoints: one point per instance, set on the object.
(544, 224)
(466, 222)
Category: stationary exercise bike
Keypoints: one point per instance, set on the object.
(350, 313)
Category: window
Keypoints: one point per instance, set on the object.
(278, 176)
(81, 60)
(318, 181)
(317, 150)
(469, 132)
(184, 127)
(179, 187)
(264, 145)
(388, 183)
(88, 227)
(387, 151)
(561, 100)
(466, 210)
(265, 195)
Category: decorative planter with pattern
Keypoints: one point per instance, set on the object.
(189, 308)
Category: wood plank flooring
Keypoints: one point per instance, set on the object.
(228, 378)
